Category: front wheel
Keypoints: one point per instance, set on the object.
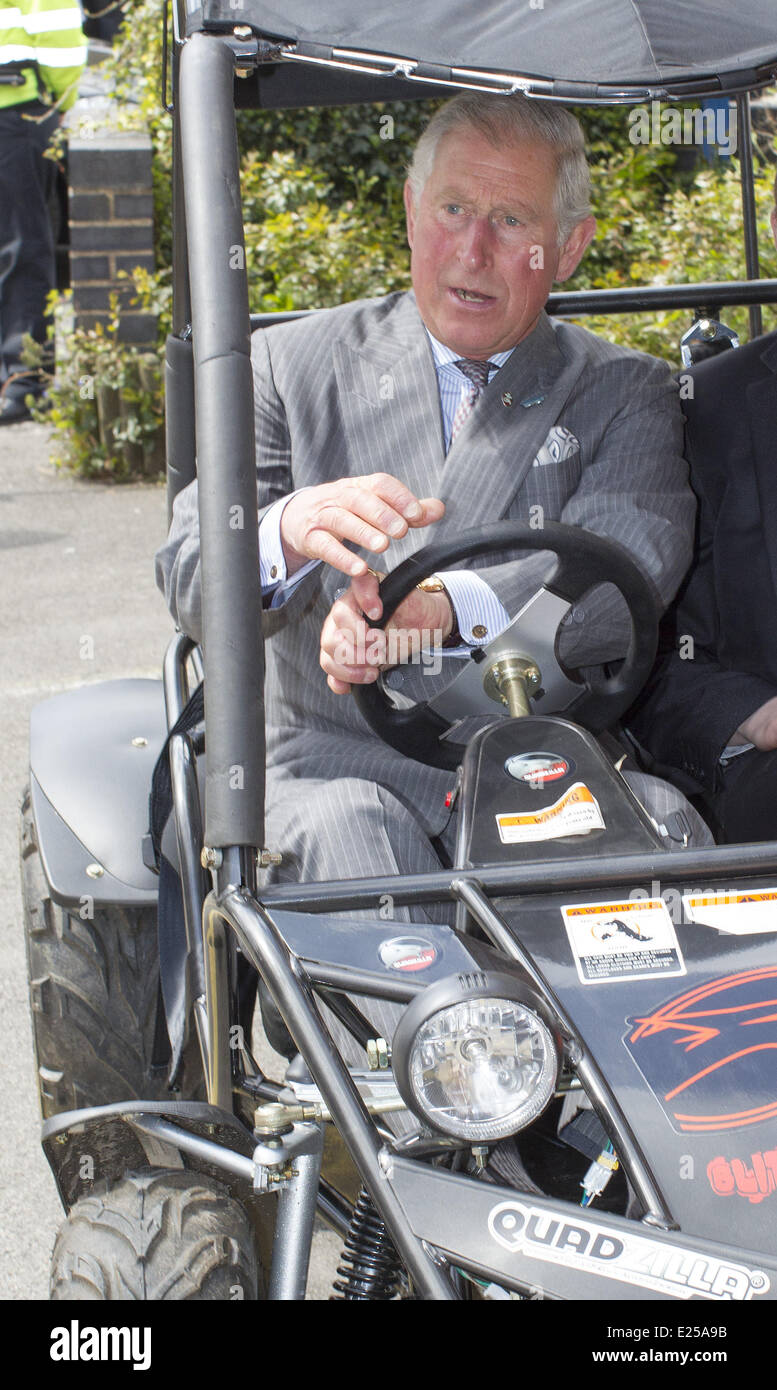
(156, 1236)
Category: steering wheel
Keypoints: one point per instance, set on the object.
(583, 560)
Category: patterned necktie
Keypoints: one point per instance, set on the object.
(477, 372)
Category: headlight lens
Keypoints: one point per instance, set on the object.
(482, 1068)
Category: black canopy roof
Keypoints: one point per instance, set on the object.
(576, 50)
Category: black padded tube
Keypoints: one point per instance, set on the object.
(180, 444)
(231, 593)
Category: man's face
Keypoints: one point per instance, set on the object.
(483, 242)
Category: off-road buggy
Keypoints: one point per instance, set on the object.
(589, 1031)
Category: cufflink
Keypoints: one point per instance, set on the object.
(479, 631)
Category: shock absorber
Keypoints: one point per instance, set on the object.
(369, 1267)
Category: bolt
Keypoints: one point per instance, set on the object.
(266, 857)
(211, 858)
(94, 870)
(139, 742)
(480, 1155)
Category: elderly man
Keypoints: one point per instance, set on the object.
(457, 404)
(709, 716)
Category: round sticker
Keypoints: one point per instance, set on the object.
(406, 953)
(538, 768)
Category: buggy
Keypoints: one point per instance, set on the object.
(561, 1033)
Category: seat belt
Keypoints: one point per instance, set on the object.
(171, 922)
(160, 801)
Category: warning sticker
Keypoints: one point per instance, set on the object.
(575, 813)
(631, 940)
(743, 913)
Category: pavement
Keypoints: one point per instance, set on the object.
(77, 563)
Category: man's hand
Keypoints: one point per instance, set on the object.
(760, 728)
(370, 511)
(352, 653)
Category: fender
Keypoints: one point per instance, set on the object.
(92, 754)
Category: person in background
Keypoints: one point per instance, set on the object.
(708, 717)
(42, 56)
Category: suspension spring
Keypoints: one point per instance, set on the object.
(369, 1267)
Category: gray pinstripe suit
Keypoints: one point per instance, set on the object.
(352, 391)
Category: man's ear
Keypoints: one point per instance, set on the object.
(574, 247)
(409, 213)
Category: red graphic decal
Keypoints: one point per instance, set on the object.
(733, 1176)
(727, 1027)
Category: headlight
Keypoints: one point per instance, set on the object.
(473, 1059)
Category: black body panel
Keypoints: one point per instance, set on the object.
(552, 1249)
(691, 1058)
(489, 791)
(97, 781)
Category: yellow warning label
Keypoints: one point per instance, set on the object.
(639, 905)
(575, 813)
(744, 913)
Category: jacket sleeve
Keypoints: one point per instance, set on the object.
(634, 489)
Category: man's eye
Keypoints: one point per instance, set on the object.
(453, 208)
(511, 221)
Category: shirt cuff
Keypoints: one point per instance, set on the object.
(479, 613)
(272, 561)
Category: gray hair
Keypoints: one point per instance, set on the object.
(515, 118)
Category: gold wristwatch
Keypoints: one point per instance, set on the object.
(434, 585)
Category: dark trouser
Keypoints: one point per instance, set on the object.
(27, 270)
(745, 806)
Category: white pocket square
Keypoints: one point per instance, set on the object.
(559, 445)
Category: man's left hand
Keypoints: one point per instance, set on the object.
(353, 653)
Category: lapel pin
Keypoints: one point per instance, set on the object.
(532, 400)
(507, 398)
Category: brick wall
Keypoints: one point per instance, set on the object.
(111, 227)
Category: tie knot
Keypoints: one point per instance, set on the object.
(477, 372)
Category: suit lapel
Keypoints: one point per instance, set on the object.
(762, 414)
(494, 451)
(390, 400)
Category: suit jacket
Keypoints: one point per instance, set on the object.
(700, 694)
(353, 391)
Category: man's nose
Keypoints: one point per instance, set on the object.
(475, 249)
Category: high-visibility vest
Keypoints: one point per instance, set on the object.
(43, 49)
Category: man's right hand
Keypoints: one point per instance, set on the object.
(370, 511)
